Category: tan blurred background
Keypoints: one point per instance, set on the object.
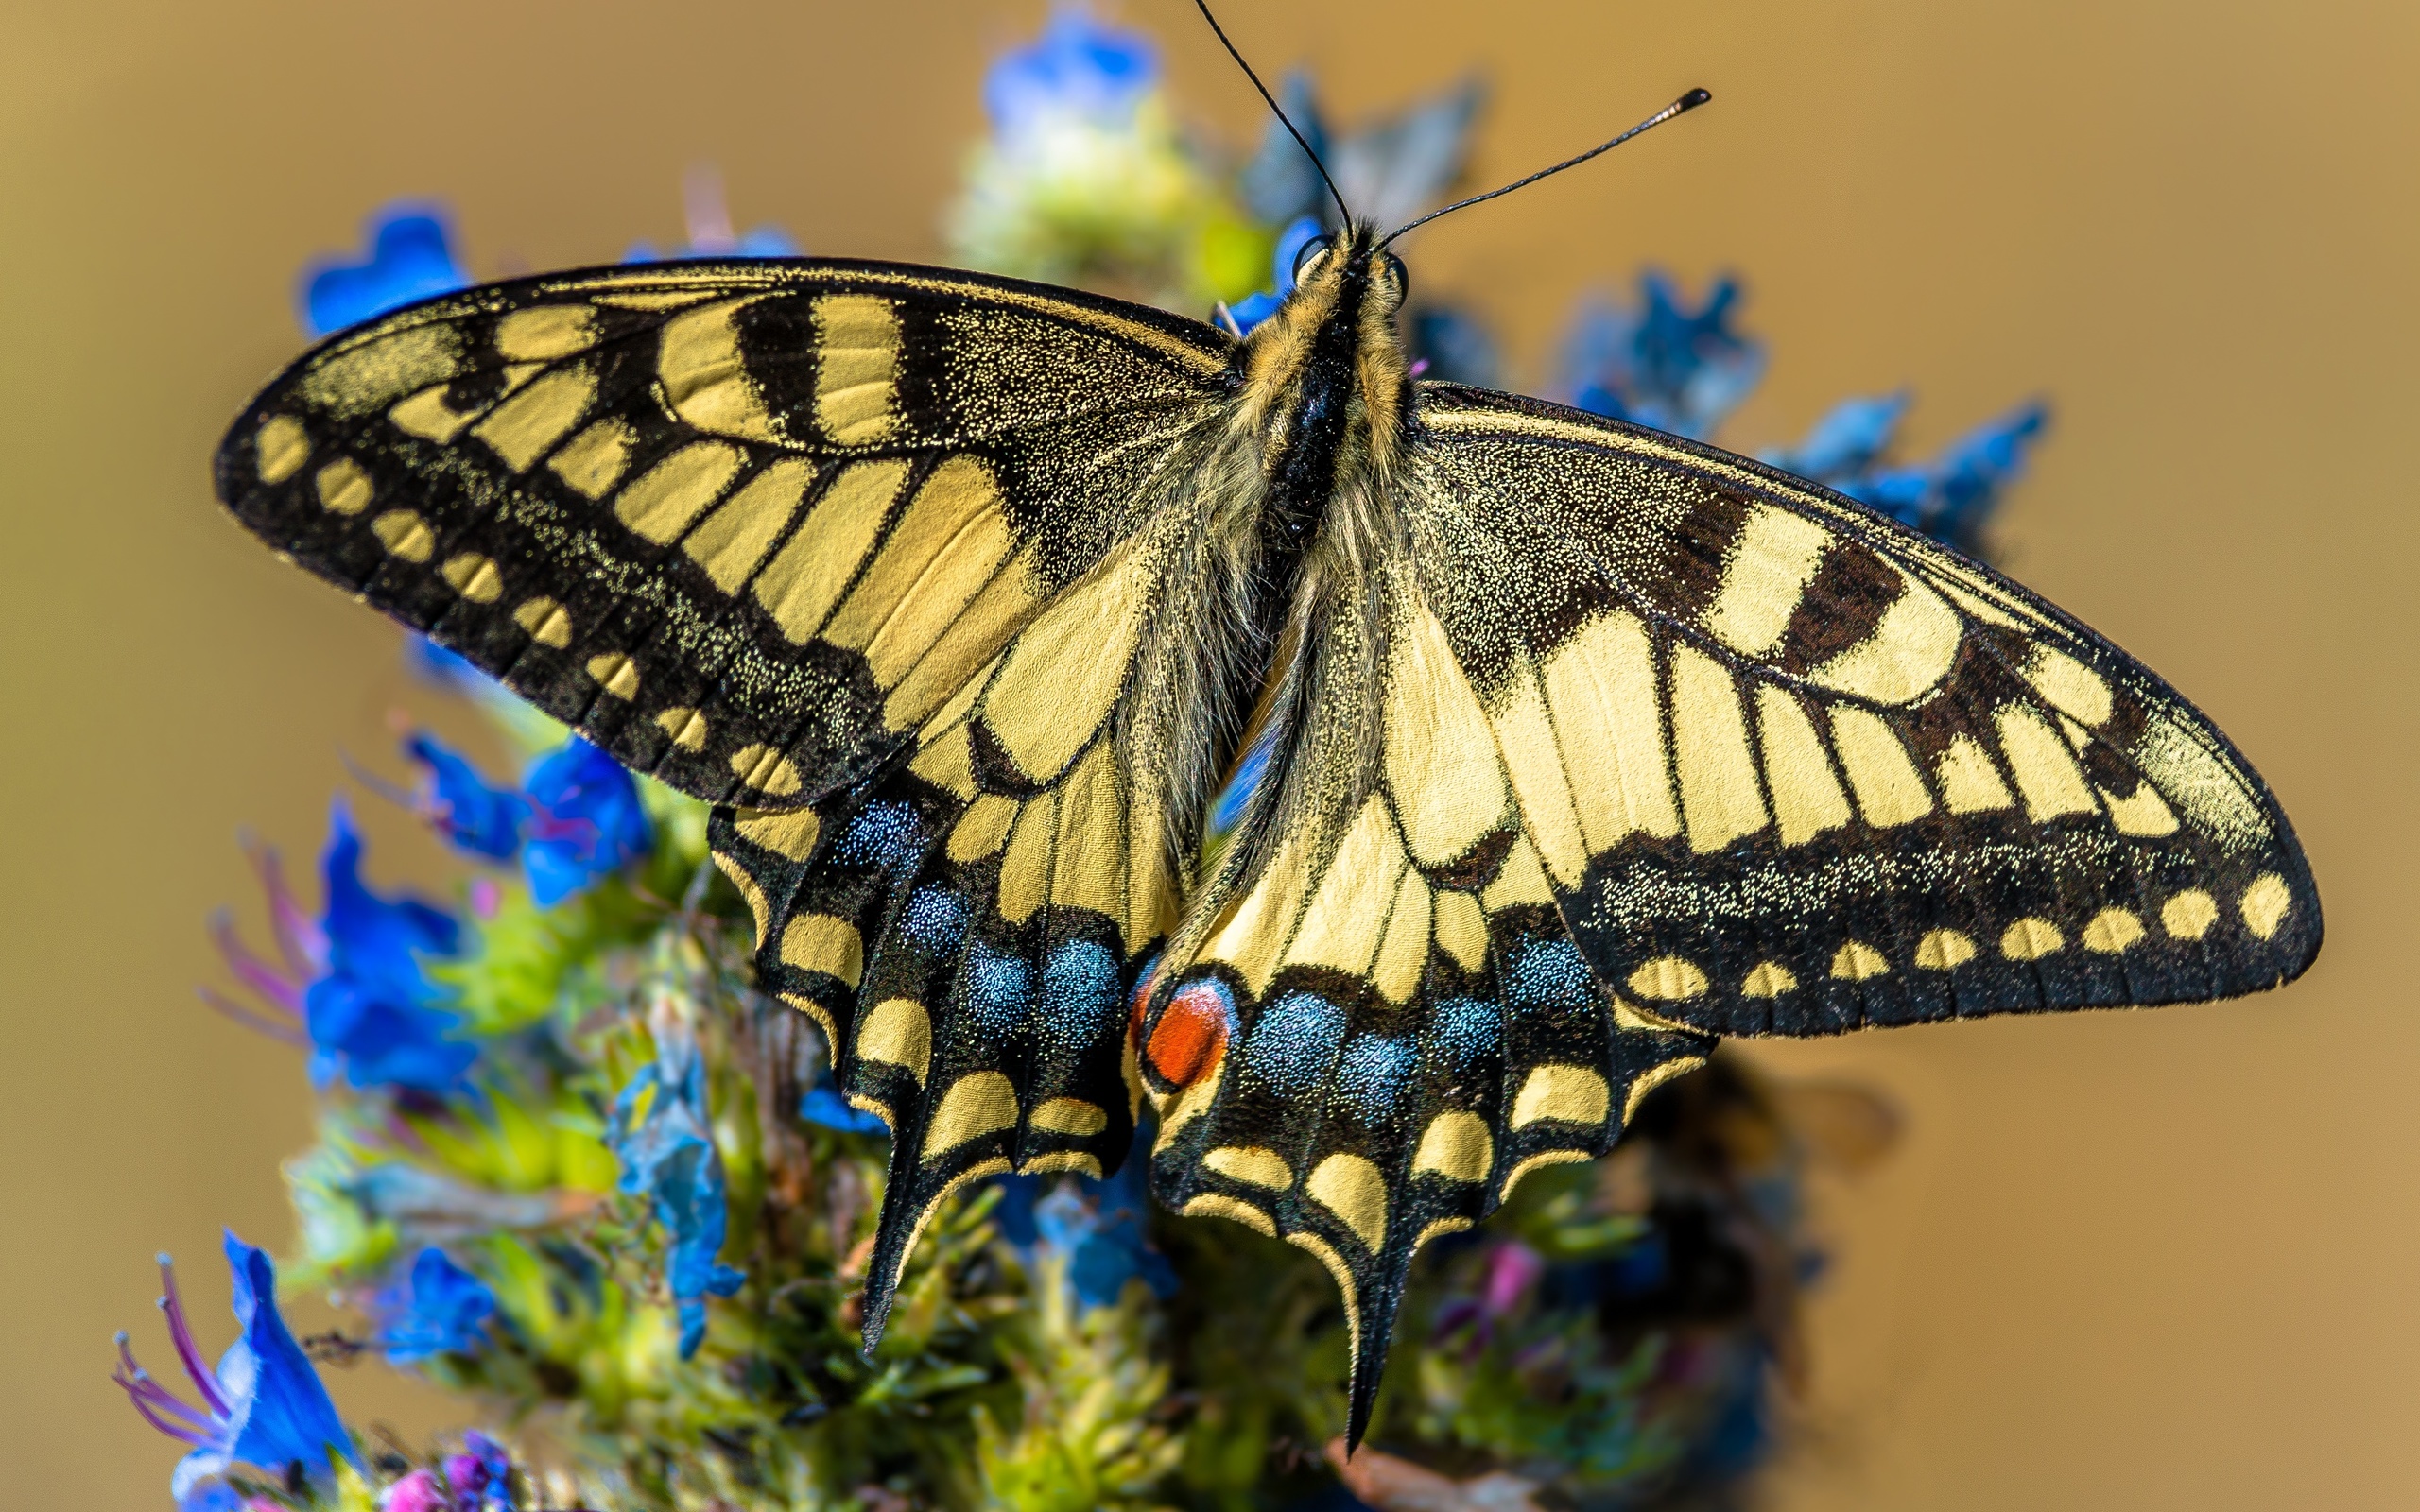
(2148, 1261)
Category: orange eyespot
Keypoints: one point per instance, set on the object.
(1192, 1036)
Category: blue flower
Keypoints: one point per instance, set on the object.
(708, 224)
(1099, 1227)
(472, 815)
(659, 1135)
(1662, 364)
(263, 1407)
(1947, 498)
(576, 816)
(439, 1308)
(374, 1015)
(1253, 308)
(825, 1107)
(410, 258)
(587, 821)
(1077, 67)
(450, 670)
(348, 986)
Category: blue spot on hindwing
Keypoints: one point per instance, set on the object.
(1000, 990)
(1295, 1042)
(1370, 1078)
(1081, 993)
(934, 920)
(1547, 973)
(1466, 1029)
(881, 834)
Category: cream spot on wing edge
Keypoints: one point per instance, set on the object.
(1668, 979)
(768, 770)
(898, 1033)
(280, 448)
(405, 534)
(1454, 1145)
(1570, 1094)
(546, 621)
(981, 1103)
(1350, 1187)
(2112, 932)
(2030, 939)
(1768, 571)
(616, 673)
(1944, 950)
(2190, 914)
(1858, 962)
(344, 487)
(2265, 905)
(1254, 1165)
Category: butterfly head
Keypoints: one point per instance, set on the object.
(1332, 348)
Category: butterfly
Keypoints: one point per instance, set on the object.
(962, 600)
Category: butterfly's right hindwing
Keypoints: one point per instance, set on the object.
(746, 525)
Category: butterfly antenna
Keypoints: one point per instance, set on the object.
(1686, 102)
(1300, 141)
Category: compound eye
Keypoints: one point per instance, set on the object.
(1401, 275)
(1312, 251)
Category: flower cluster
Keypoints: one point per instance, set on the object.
(571, 1165)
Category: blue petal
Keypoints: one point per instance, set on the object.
(588, 821)
(1663, 364)
(439, 1308)
(473, 817)
(1846, 441)
(279, 1413)
(1076, 67)
(826, 1107)
(450, 670)
(373, 938)
(667, 1155)
(410, 258)
(377, 1041)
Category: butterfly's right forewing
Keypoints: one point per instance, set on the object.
(746, 525)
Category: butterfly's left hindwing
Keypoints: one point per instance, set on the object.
(747, 525)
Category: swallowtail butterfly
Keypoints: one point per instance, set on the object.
(960, 598)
